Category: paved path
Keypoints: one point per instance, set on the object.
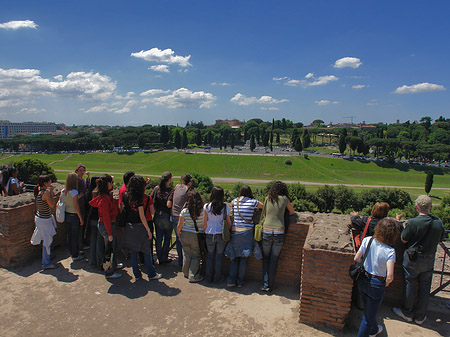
(265, 181)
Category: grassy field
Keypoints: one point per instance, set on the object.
(314, 169)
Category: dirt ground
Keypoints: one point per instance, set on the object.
(75, 301)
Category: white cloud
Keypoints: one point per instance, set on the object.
(224, 84)
(20, 86)
(243, 100)
(143, 107)
(418, 88)
(323, 102)
(372, 102)
(127, 96)
(162, 68)
(163, 56)
(292, 83)
(359, 86)
(348, 62)
(153, 92)
(58, 77)
(271, 108)
(280, 78)
(117, 107)
(30, 111)
(322, 80)
(18, 24)
(309, 75)
(181, 98)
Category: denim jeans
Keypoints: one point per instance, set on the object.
(134, 258)
(163, 235)
(191, 255)
(238, 269)
(46, 260)
(174, 221)
(108, 245)
(73, 233)
(215, 246)
(271, 249)
(420, 270)
(372, 293)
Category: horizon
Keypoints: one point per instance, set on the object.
(130, 64)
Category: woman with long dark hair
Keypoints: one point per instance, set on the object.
(160, 196)
(190, 216)
(107, 212)
(13, 186)
(44, 219)
(96, 240)
(242, 241)
(273, 236)
(73, 218)
(214, 213)
(379, 266)
(137, 236)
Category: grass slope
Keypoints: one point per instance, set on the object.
(314, 169)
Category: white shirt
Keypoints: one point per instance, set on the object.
(378, 256)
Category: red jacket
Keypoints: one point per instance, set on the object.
(107, 210)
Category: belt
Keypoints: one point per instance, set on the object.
(376, 276)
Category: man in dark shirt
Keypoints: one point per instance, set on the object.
(422, 233)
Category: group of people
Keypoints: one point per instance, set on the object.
(377, 236)
(91, 208)
(9, 184)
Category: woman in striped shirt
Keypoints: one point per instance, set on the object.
(190, 216)
(242, 240)
(45, 222)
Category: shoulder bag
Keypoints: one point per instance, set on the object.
(225, 229)
(356, 270)
(60, 208)
(256, 217)
(260, 225)
(201, 237)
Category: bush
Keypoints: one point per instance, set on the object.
(203, 183)
(31, 169)
(327, 194)
(297, 191)
(345, 198)
(306, 156)
(288, 162)
(302, 205)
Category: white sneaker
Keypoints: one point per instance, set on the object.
(421, 321)
(156, 277)
(380, 330)
(399, 313)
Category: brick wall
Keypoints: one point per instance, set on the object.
(16, 228)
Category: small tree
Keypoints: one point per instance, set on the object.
(428, 182)
(30, 169)
(252, 143)
(342, 143)
(184, 140)
(306, 139)
(198, 137)
(298, 146)
(177, 140)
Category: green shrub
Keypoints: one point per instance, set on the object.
(203, 183)
(30, 169)
(306, 156)
(288, 162)
(345, 198)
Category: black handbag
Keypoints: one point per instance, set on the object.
(357, 271)
(201, 237)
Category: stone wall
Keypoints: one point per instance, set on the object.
(17, 226)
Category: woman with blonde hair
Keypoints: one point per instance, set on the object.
(73, 218)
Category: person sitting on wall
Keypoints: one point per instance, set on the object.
(421, 235)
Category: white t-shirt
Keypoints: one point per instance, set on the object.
(12, 181)
(378, 256)
(214, 224)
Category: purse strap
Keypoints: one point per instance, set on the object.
(195, 225)
(425, 234)
(237, 205)
(367, 251)
(224, 211)
(366, 228)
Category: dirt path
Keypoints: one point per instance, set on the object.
(265, 181)
(65, 158)
(73, 301)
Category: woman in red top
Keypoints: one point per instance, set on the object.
(107, 212)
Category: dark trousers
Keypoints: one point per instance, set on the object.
(73, 233)
(271, 249)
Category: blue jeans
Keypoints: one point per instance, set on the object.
(238, 269)
(372, 293)
(174, 221)
(73, 233)
(46, 260)
(97, 245)
(148, 264)
(163, 235)
(271, 249)
(420, 270)
(108, 246)
(215, 246)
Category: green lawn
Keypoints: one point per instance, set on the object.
(314, 169)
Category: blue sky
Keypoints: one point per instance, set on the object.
(167, 62)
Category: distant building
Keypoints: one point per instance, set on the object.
(8, 129)
(234, 123)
